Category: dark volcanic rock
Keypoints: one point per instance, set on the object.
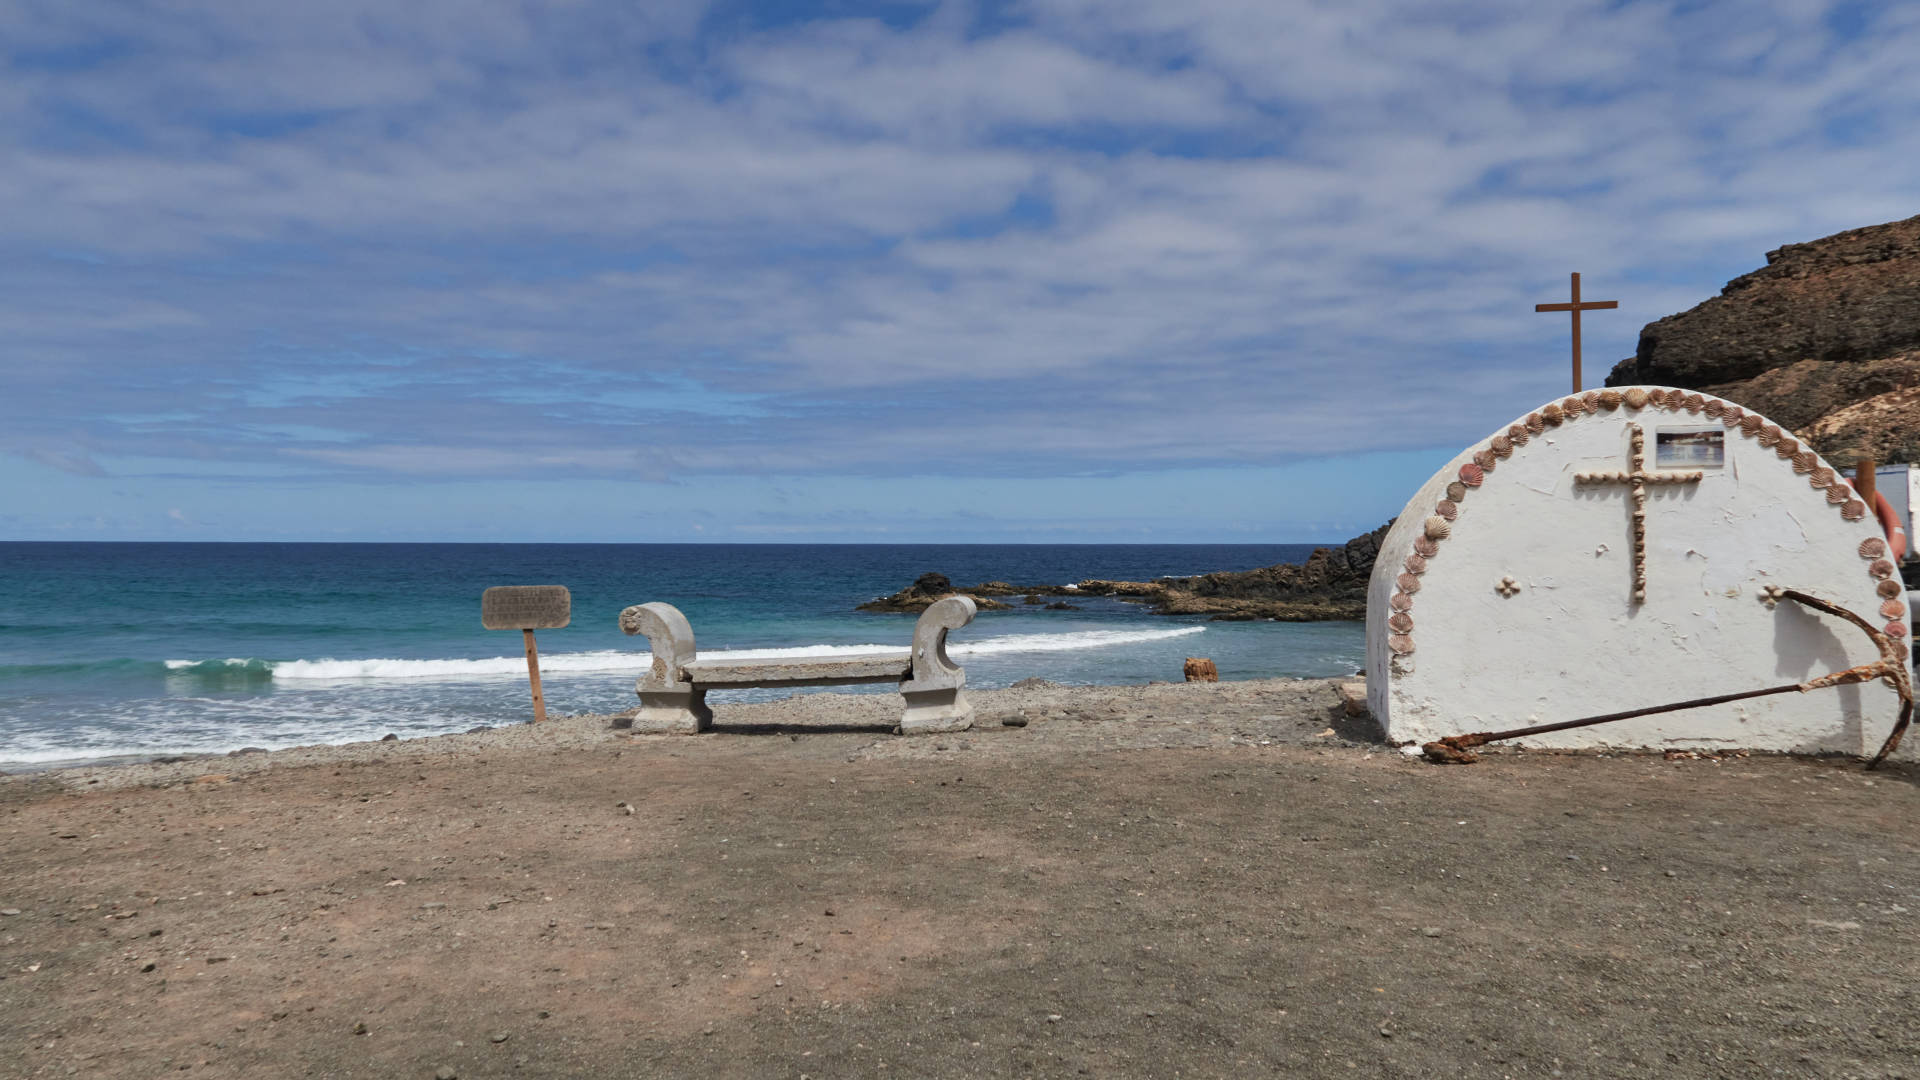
(1825, 340)
(1330, 585)
(925, 589)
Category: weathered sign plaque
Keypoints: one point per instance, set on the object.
(526, 607)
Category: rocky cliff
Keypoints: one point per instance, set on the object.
(1825, 340)
(1331, 584)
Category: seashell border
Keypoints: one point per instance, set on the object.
(1438, 526)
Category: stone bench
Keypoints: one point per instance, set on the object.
(673, 695)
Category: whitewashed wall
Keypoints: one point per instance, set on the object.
(1570, 643)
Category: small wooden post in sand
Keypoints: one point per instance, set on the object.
(527, 608)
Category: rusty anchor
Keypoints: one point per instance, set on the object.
(1892, 667)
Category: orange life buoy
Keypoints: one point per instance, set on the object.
(1890, 524)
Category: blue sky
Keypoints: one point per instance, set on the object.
(1049, 271)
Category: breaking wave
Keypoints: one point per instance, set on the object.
(617, 662)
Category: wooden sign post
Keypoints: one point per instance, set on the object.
(527, 608)
(1577, 307)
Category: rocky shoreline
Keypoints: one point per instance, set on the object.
(1330, 586)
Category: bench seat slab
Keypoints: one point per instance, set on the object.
(800, 671)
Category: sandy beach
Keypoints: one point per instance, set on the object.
(1164, 880)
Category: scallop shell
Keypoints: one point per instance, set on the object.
(1456, 491)
(1438, 528)
(1401, 644)
(1854, 510)
(1610, 399)
(1787, 448)
(1872, 547)
(1693, 403)
(1592, 400)
(1501, 446)
(1400, 622)
(1751, 424)
(1400, 602)
(1733, 416)
(1448, 509)
(1415, 564)
(1889, 587)
(1881, 568)
(1473, 474)
(1714, 408)
(1425, 548)
(1839, 493)
(1896, 629)
(1408, 583)
(1769, 435)
(1486, 459)
(1573, 406)
(1893, 609)
(1805, 461)
(1636, 398)
(1821, 477)
(1535, 425)
(1519, 434)
(1553, 414)
(1657, 397)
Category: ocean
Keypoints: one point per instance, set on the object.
(112, 650)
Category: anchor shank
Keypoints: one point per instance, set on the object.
(1478, 738)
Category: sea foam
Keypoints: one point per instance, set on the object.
(617, 662)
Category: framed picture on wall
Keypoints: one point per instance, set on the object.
(1691, 448)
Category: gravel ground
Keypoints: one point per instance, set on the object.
(1168, 880)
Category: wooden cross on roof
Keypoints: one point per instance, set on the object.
(1577, 307)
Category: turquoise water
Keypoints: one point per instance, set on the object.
(144, 649)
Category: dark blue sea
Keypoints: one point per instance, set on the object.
(110, 650)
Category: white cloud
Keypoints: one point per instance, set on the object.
(1103, 236)
(934, 85)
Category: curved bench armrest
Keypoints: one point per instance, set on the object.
(669, 637)
(931, 666)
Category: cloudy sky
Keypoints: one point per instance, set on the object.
(1054, 270)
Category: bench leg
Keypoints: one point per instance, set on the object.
(673, 712)
(931, 711)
